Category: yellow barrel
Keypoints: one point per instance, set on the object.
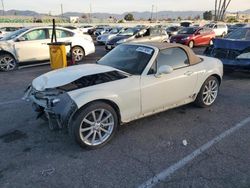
(58, 56)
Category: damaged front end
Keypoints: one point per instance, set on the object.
(235, 55)
(54, 105)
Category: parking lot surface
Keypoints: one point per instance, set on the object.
(33, 156)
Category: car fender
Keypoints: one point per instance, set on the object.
(209, 67)
(83, 98)
(8, 48)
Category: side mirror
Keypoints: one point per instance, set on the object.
(138, 35)
(165, 69)
(20, 39)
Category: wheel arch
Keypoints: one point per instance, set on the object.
(79, 46)
(216, 76)
(107, 101)
(2, 52)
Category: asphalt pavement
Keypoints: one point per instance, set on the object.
(166, 147)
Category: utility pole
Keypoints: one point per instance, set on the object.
(152, 12)
(3, 7)
(90, 13)
(62, 10)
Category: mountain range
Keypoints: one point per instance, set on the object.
(137, 15)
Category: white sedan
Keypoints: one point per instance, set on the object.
(30, 44)
(131, 82)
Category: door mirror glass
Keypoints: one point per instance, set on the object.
(20, 39)
(164, 69)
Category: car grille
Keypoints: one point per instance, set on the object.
(225, 53)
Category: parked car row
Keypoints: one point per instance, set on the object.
(134, 34)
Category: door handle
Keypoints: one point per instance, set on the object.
(188, 73)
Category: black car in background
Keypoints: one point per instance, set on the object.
(233, 50)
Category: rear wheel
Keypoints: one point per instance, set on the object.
(191, 44)
(94, 126)
(7, 62)
(211, 42)
(208, 93)
(78, 53)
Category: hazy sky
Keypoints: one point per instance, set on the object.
(116, 6)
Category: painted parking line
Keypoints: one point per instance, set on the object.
(11, 102)
(180, 164)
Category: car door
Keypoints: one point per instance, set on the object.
(156, 35)
(62, 36)
(202, 37)
(33, 46)
(169, 89)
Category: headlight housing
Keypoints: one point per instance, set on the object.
(185, 38)
(121, 41)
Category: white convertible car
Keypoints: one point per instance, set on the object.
(130, 82)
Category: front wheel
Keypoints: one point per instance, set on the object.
(78, 53)
(208, 93)
(7, 62)
(191, 44)
(94, 125)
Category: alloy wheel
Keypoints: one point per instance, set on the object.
(210, 92)
(7, 63)
(96, 127)
(78, 53)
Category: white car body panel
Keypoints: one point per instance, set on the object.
(66, 75)
(136, 96)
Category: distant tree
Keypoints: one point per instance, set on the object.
(84, 16)
(198, 17)
(246, 20)
(121, 21)
(179, 18)
(208, 15)
(129, 17)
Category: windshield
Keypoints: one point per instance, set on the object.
(114, 31)
(189, 30)
(209, 25)
(129, 32)
(240, 34)
(129, 58)
(14, 34)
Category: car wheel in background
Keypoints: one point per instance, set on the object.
(94, 125)
(208, 93)
(78, 53)
(7, 62)
(191, 44)
(211, 42)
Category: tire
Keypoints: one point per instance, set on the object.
(211, 42)
(78, 53)
(7, 62)
(191, 44)
(208, 93)
(94, 125)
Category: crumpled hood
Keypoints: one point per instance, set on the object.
(231, 44)
(5, 45)
(67, 75)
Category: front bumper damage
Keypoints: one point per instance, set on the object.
(53, 104)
